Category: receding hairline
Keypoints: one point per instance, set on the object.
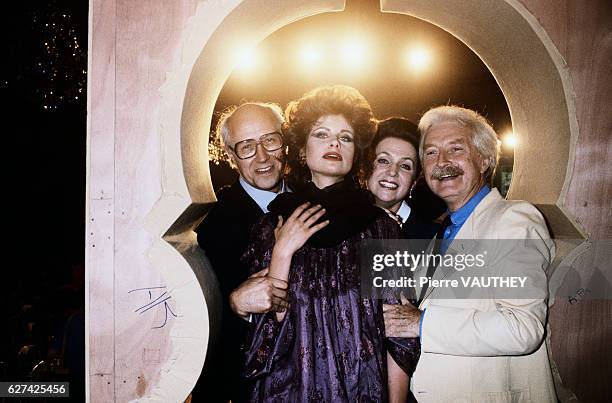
(223, 128)
(244, 108)
(249, 108)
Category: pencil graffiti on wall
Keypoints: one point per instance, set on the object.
(156, 297)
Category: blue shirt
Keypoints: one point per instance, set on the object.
(261, 197)
(459, 217)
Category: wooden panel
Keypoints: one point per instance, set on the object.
(581, 330)
(580, 321)
(589, 53)
(582, 33)
(580, 342)
(100, 203)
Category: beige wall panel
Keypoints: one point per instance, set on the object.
(100, 342)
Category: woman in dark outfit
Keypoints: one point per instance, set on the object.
(392, 168)
(329, 345)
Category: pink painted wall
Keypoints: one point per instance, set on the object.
(133, 46)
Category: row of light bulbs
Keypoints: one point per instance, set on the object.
(352, 55)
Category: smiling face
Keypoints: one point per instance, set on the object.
(453, 168)
(393, 172)
(264, 169)
(330, 150)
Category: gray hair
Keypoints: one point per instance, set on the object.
(223, 131)
(483, 136)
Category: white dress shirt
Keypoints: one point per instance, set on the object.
(261, 197)
(404, 211)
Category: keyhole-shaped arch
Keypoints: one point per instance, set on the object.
(527, 66)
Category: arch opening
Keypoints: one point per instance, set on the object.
(404, 67)
(532, 78)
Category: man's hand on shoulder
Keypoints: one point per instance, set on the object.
(259, 294)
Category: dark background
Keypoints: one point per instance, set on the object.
(43, 93)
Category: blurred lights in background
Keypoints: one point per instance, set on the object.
(418, 58)
(343, 56)
(402, 65)
(353, 53)
(509, 140)
(310, 56)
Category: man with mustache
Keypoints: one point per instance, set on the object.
(488, 349)
(251, 136)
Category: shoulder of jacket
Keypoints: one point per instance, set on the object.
(513, 219)
(226, 192)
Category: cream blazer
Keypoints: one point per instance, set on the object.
(490, 349)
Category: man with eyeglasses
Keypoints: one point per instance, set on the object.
(251, 135)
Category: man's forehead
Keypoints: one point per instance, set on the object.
(252, 121)
(448, 132)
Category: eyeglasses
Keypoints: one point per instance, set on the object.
(247, 148)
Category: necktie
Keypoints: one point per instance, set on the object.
(431, 269)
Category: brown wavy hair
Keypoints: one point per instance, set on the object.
(394, 127)
(301, 115)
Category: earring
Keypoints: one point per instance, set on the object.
(410, 194)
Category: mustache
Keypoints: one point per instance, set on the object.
(448, 170)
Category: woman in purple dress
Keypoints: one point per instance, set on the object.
(329, 345)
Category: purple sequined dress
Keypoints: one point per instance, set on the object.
(330, 346)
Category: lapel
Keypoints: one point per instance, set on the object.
(236, 213)
(416, 228)
(463, 242)
(241, 202)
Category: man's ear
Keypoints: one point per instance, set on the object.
(484, 164)
(230, 159)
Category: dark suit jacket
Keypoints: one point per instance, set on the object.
(224, 236)
(417, 228)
